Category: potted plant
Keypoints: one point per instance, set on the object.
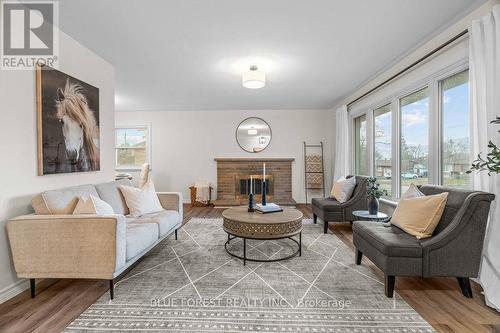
(490, 163)
(374, 193)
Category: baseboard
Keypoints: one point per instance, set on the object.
(13, 290)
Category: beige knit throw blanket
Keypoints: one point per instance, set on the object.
(202, 191)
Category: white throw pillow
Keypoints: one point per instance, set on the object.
(412, 192)
(92, 205)
(143, 200)
(342, 189)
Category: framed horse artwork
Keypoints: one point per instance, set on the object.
(68, 123)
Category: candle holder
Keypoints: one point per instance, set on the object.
(250, 203)
(264, 187)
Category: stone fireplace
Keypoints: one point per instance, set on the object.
(233, 180)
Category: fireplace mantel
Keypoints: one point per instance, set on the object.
(231, 171)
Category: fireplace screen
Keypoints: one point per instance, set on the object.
(243, 186)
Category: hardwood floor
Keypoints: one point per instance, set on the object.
(438, 300)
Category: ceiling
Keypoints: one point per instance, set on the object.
(190, 54)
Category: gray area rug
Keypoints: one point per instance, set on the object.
(193, 285)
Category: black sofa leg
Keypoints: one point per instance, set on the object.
(359, 256)
(315, 218)
(175, 234)
(111, 289)
(325, 226)
(390, 281)
(32, 288)
(464, 284)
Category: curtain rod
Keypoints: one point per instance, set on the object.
(431, 53)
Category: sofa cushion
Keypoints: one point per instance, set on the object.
(92, 205)
(166, 220)
(141, 201)
(343, 188)
(110, 192)
(327, 204)
(419, 216)
(61, 201)
(389, 240)
(140, 236)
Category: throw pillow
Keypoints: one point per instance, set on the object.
(420, 216)
(412, 192)
(342, 189)
(92, 205)
(142, 200)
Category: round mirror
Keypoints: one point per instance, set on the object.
(253, 135)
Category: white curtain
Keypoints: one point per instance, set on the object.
(341, 166)
(484, 57)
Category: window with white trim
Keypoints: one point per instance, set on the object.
(414, 139)
(454, 100)
(132, 147)
(382, 118)
(361, 149)
(419, 135)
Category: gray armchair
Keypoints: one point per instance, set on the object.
(330, 210)
(454, 250)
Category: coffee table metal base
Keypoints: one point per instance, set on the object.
(245, 258)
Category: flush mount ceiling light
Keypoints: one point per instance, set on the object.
(253, 79)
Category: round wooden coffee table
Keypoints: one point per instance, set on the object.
(239, 223)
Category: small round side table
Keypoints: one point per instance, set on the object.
(366, 216)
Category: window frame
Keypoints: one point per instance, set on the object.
(435, 132)
(147, 127)
(368, 138)
(440, 121)
(373, 162)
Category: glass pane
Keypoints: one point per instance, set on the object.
(456, 150)
(360, 148)
(131, 137)
(130, 157)
(383, 146)
(131, 147)
(414, 111)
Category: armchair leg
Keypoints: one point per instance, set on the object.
(325, 223)
(175, 234)
(464, 284)
(390, 281)
(32, 288)
(111, 289)
(359, 256)
(315, 218)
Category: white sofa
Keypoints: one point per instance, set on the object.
(52, 243)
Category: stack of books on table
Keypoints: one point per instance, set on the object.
(269, 208)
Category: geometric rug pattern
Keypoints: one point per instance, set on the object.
(193, 285)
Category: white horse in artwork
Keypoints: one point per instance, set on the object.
(79, 127)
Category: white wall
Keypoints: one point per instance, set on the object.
(18, 137)
(185, 143)
(419, 51)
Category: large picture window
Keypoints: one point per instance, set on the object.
(421, 136)
(361, 151)
(455, 123)
(383, 146)
(414, 144)
(132, 147)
